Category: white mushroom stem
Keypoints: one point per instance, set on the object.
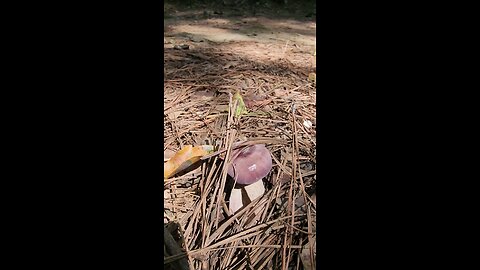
(255, 190)
(241, 197)
(235, 201)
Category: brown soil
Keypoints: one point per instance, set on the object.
(256, 38)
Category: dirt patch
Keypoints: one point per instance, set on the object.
(269, 42)
(254, 37)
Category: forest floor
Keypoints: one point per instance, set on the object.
(268, 56)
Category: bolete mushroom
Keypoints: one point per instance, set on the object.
(250, 164)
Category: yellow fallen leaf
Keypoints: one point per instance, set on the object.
(184, 158)
(312, 77)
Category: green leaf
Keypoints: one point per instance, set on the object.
(240, 109)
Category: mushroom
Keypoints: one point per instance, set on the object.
(250, 164)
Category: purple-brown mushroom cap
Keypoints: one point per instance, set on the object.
(250, 164)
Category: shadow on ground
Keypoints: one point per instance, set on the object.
(217, 22)
(206, 65)
(222, 37)
(274, 9)
(171, 238)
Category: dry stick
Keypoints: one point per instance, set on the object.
(310, 238)
(259, 204)
(258, 239)
(276, 181)
(182, 234)
(277, 188)
(287, 231)
(269, 239)
(193, 223)
(306, 203)
(230, 252)
(306, 133)
(248, 233)
(258, 210)
(267, 119)
(232, 219)
(195, 85)
(298, 229)
(178, 207)
(313, 203)
(257, 254)
(221, 229)
(228, 256)
(172, 196)
(286, 259)
(175, 130)
(269, 197)
(177, 99)
(238, 264)
(282, 167)
(229, 141)
(309, 218)
(251, 141)
(305, 113)
(212, 202)
(195, 79)
(277, 192)
(185, 218)
(298, 257)
(203, 207)
(185, 131)
(202, 200)
(269, 259)
(207, 212)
